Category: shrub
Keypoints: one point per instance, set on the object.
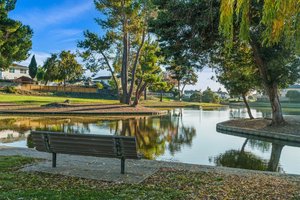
(196, 97)
(99, 86)
(10, 89)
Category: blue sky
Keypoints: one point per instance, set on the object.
(59, 24)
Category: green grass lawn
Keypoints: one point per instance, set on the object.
(40, 100)
(164, 184)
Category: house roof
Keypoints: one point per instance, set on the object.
(190, 91)
(19, 66)
(105, 77)
(24, 79)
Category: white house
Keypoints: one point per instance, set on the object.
(14, 71)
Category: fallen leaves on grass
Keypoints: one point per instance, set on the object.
(206, 185)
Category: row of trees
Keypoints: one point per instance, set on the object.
(250, 44)
(207, 96)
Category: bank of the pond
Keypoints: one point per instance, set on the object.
(261, 127)
(285, 105)
(78, 109)
(168, 181)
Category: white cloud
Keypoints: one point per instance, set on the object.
(58, 33)
(40, 57)
(39, 19)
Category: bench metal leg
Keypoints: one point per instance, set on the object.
(53, 159)
(122, 165)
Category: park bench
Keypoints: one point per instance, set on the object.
(110, 146)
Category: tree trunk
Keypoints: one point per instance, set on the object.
(125, 57)
(161, 96)
(247, 106)
(138, 94)
(277, 116)
(145, 94)
(270, 87)
(179, 91)
(135, 64)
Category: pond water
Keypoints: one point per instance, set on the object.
(184, 135)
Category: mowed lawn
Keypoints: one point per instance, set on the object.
(40, 100)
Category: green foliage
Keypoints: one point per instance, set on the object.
(69, 68)
(237, 71)
(196, 97)
(10, 89)
(51, 69)
(33, 67)
(119, 50)
(186, 30)
(99, 86)
(280, 20)
(63, 67)
(294, 95)
(208, 96)
(15, 38)
(161, 86)
(40, 73)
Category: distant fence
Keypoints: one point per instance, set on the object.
(68, 89)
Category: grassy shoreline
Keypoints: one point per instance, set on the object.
(164, 184)
(27, 100)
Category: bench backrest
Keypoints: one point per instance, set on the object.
(89, 145)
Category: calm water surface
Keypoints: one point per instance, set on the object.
(184, 135)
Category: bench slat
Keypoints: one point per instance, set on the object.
(85, 144)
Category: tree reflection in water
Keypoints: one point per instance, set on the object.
(155, 135)
(247, 160)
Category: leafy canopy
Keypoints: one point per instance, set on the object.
(15, 38)
(280, 19)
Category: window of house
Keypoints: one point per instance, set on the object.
(23, 71)
(11, 70)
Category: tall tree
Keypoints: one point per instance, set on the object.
(184, 75)
(148, 71)
(237, 72)
(186, 32)
(125, 23)
(62, 67)
(15, 38)
(40, 74)
(272, 29)
(68, 67)
(33, 67)
(99, 55)
(50, 68)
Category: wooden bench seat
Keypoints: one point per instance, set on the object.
(110, 146)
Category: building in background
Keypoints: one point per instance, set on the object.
(15, 71)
